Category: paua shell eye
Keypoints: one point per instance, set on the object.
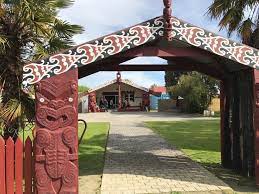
(70, 99)
(42, 100)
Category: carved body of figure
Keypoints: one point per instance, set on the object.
(56, 138)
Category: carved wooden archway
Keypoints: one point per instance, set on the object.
(56, 77)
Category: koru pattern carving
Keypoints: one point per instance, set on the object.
(56, 154)
(135, 36)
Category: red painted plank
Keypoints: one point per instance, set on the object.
(2, 165)
(28, 166)
(9, 166)
(19, 166)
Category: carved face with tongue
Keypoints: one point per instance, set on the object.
(54, 114)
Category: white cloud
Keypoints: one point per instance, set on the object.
(103, 17)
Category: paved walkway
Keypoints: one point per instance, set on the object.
(139, 161)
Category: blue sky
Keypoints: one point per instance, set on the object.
(101, 17)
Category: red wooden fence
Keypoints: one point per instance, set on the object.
(16, 166)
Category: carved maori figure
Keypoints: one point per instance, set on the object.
(92, 103)
(168, 28)
(146, 101)
(56, 154)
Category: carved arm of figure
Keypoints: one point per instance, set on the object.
(43, 139)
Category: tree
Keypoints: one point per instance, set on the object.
(197, 90)
(171, 79)
(29, 30)
(238, 15)
(82, 89)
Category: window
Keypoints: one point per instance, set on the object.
(130, 96)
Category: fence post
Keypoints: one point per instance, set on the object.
(28, 166)
(9, 166)
(2, 165)
(19, 166)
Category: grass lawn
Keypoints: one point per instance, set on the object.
(199, 139)
(92, 148)
(91, 157)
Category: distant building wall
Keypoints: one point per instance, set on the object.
(215, 105)
(85, 104)
(154, 100)
(124, 87)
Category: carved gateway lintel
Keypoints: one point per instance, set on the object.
(56, 144)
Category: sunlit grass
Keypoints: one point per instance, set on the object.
(199, 139)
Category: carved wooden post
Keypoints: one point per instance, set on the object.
(56, 142)
(119, 90)
(256, 124)
(92, 104)
(222, 117)
(225, 129)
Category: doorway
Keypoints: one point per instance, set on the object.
(112, 98)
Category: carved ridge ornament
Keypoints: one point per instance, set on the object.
(93, 51)
(216, 44)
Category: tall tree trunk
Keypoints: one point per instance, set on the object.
(12, 86)
(11, 91)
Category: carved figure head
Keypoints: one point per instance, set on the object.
(55, 104)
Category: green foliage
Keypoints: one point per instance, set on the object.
(237, 15)
(82, 89)
(197, 90)
(29, 30)
(171, 79)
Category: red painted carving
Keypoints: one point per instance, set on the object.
(92, 102)
(146, 102)
(56, 147)
(119, 90)
(168, 28)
